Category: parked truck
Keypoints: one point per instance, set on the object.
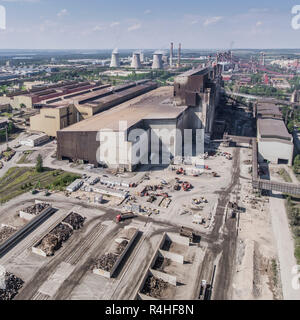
(124, 216)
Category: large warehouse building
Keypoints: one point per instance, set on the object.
(275, 144)
(40, 94)
(61, 112)
(189, 105)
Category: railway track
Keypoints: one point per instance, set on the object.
(88, 241)
(40, 296)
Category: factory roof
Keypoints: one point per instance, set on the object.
(196, 71)
(269, 109)
(157, 104)
(273, 128)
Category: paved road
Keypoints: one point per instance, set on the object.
(285, 246)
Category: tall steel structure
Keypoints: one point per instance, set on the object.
(179, 55)
(171, 54)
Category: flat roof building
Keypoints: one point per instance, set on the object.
(275, 143)
(125, 136)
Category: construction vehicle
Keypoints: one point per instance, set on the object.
(180, 171)
(186, 186)
(177, 187)
(124, 216)
(188, 233)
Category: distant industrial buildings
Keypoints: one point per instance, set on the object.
(275, 144)
(38, 94)
(189, 105)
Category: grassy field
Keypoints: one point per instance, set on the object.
(293, 210)
(20, 180)
(23, 159)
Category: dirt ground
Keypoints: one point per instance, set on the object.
(256, 275)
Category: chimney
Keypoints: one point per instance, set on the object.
(171, 54)
(179, 55)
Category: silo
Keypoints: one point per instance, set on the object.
(157, 61)
(115, 59)
(136, 61)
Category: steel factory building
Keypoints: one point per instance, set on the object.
(60, 112)
(190, 104)
(275, 144)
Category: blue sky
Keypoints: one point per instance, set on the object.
(98, 24)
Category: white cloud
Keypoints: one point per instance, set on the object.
(98, 28)
(258, 23)
(134, 27)
(114, 24)
(212, 20)
(148, 11)
(62, 13)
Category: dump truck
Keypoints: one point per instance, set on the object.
(124, 216)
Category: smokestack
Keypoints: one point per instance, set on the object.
(115, 59)
(157, 61)
(179, 55)
(136, 61)
(171, 54)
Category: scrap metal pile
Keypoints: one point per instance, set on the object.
(5, 233)
(61, 233)
(53, 241)
(106, 262)
(13, 285)
(75, 220)
(161, 263)
(37, 208)
(154, 287)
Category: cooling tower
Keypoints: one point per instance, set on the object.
(136, 61)
(157, 61)
(115, 59)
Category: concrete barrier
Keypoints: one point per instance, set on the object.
(27, 216)
(109, 274)
(142, 296)
(172, 256)
(165, 277)
(178, 239)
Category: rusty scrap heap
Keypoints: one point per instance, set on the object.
(75, 220)
(106, 262)
(13, 285)
(154, 287)
(5, 233)
(37, 208)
